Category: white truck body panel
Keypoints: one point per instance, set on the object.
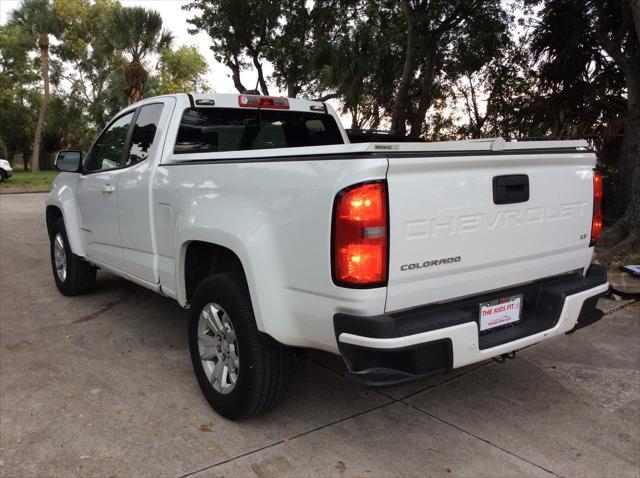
(100, 231)
(135, 206)
(283, 245)
(442, 207)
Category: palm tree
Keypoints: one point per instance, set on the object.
(137, 32)
(38, 19)
(347, 72)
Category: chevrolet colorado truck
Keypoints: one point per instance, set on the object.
(258, 215)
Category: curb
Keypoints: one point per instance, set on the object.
(2, 193)
(621, 305)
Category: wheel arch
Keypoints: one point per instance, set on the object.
(52, 214)
(225, 251)
(61, 203)
(203, 259)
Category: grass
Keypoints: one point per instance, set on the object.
(25, 181)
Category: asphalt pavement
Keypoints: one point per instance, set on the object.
(101, 385)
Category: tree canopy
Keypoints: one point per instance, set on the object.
(95, 41)
(434, 69)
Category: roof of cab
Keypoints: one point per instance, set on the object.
(230, 100)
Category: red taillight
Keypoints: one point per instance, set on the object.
(254, 101)
(360, 236)
(596, 222)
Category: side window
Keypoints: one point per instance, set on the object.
(144, 133)
(108, 149)
(215, 129)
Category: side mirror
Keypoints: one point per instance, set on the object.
(69, 161)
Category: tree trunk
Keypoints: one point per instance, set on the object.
(355, 122)
(292, 89)
(235, 75)
(635, 12)
(261, 80)
(630, 151)
(375, 122)
(399, 113)
(623, 238)
(426, 97)
(478, 118)
(135, 77)
(633, 209)
(43, 43)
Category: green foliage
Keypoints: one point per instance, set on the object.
(36, 18)
(290, 46)
(356, 64)
(137, 32)
(87, 61)
(19, 99)
(439, 69)
(582, 88)
(240, 31)
(113, 97)
(301, 42)
(182, 70)
(68, 125)
(87, 66)
(23, 181)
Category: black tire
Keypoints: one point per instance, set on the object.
(3, 175)
(81, 276)
(264, 364)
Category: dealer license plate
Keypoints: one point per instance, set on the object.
(500, 312)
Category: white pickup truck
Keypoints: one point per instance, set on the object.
(258, 215)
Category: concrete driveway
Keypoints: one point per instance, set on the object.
(101, 385)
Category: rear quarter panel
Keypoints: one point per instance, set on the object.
(276, 216)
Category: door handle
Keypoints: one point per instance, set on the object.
(108, 189)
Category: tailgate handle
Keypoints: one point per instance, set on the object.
(510, 189)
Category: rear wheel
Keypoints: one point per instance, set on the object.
(240, 371)
(3, 175)
(73, 275)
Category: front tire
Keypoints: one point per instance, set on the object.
(3, 175)
(73, 276)
(240, 371)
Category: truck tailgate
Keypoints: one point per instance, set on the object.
(454, 234)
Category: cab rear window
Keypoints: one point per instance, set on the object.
(205, 130)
